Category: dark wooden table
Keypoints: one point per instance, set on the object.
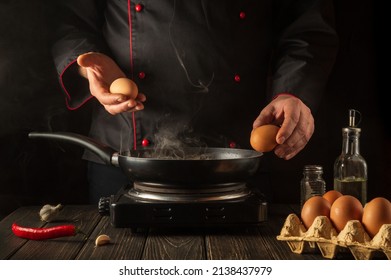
(244, 243)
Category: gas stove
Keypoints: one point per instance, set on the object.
(144, 205)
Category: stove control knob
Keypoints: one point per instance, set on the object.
(104, 206)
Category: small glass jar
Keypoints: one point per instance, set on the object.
(312, 183)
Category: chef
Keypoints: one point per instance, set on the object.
(207, 71)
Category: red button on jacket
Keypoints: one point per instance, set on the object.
(145, 143)
(138, 7)
(141, 75)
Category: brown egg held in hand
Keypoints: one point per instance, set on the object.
(313, 207)
(124, 86)
(263, 138)
(376, 213)
(332, 195)
(344, 209)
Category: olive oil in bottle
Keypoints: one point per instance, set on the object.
(350, 168)
(356, 187)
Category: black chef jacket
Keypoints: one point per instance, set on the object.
(207, 67)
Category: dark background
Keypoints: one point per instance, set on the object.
(38, 172)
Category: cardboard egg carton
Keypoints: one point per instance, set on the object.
(322, 235)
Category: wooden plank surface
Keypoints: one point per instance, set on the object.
(174, 244)
(230, 243)
(236, 244)
(124, 244)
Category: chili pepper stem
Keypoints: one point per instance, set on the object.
(79, 231)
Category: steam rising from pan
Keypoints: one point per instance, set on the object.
(171, 141)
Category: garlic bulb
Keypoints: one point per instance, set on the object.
(49, 212)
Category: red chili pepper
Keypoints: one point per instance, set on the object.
(44, 233)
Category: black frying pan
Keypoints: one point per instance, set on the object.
(197, 166)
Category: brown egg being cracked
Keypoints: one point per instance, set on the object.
(263, 138)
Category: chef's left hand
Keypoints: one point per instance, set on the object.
(296, 121)
(101, 70)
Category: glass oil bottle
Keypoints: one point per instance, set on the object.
(350, 168)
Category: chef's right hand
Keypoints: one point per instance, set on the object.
(296, 121)
(101, 71)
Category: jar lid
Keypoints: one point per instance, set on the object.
(313, 167)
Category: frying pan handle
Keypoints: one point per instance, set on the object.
(104, 152)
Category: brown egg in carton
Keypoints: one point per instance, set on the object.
(322, 235)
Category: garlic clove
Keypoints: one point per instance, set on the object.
(102, 240)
